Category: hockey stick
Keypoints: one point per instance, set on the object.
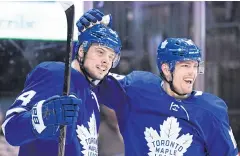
(69, 12)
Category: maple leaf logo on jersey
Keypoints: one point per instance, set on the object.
(168, 143)
(88, 139)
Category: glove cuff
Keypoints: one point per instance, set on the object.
(37, 120)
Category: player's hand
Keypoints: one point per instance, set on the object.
(57, 110)
(92, 16)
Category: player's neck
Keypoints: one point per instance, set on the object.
(167, 89)
(76, 66)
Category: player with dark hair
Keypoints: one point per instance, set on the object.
(33, 120)
(164, 116)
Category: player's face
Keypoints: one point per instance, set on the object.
(185, 74)
(98, 61)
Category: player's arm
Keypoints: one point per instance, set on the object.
(221, 140)
(110, 119)
(37, 111)
(109, 129)
(111, 92)
(218, 133)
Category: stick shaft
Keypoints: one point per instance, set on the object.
(67, 73)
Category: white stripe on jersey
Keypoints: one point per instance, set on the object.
(10, 111)
(16, 110)
(4, 124)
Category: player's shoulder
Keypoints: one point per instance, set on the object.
(45, 70)
(136, 77)
(211, 103)
(50, 66)
(143, 79)
(139, 80)
(142, 76)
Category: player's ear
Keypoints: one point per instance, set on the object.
(80, 52)
(166, 71)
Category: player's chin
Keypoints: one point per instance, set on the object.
(188, 90)
(98, 76)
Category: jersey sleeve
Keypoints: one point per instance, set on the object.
(218, 133)
(40, 85)
(112, 93)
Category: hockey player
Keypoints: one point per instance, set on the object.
(164, 116)
(32, 122)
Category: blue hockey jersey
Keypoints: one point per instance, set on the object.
(43, 82)
(155, 124)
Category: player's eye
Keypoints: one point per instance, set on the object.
(185, 65)
(100, 52)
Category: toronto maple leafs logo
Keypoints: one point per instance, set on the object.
(163, 45)
(168, 143)
(88, 138)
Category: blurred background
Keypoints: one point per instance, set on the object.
(25, 41)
